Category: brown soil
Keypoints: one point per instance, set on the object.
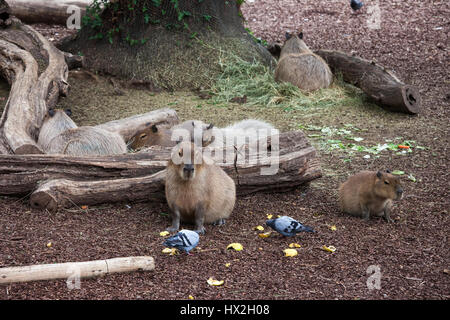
(412, 253)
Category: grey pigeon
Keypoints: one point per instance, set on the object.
(287, 226)
(356, 4)
(184, 240)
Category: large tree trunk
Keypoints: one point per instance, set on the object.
(171, 44)
(376, 81)
(46, 11)
(61, 181)
(37, 74)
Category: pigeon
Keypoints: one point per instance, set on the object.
(184, 240)
(287, 226)
(356, 4)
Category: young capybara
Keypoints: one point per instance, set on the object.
(59, 134)
(370, 193)
(301, 67)
(197, 190)
(151, 136)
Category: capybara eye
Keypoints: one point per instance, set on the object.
(143, 135)
(386, 182)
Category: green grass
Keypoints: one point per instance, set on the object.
(256, 81)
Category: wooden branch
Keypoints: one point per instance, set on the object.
(376, 81)
(297, 164)
(37, 73)
(46, 11)
(128, 127)
(75, 270)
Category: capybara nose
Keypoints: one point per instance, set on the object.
(188, 167)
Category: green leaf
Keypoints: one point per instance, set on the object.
(398, 172)
(412, 178)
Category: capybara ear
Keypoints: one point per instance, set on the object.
(51, 112)
(210, 126)
(288, 35)
(68, 112)
(154, 128)
(300, 35)
(379, 174)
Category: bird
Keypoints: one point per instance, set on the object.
(184, 240)
(356, 4)
(288, 226)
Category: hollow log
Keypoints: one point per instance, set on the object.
(296, 164)
(375, 80)
(73, 271)
(46, 11)
(37, 74)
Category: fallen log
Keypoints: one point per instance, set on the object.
(73, 271)
(128, 127)
(37, 74)
(375, 80)
(46, 11)
(295, 164)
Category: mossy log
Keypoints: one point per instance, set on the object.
(58, 181)
(375, 80)
(37, 74)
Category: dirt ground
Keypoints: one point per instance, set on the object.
(412, 254)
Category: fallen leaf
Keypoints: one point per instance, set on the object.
(290, 252)
(264, 235)
(259, 228)
(227, 264)
(170, 251)
(294, 245)
(329, 248)
(49, 244)
(164, 233)
(191, 297)
(213, 282)
(269, 216)
(236, 246)
(333, 228)
(84, 207)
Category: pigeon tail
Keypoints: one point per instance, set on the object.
(307, 229)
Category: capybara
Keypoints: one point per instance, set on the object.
(301, 67)
(234, 134)
(370, 193)
(60, 135)
(159, 135)
(197, 190)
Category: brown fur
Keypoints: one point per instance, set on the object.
(152, 136)
(205, 194)
(370, 193)
(60, 135)
(301, 67)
